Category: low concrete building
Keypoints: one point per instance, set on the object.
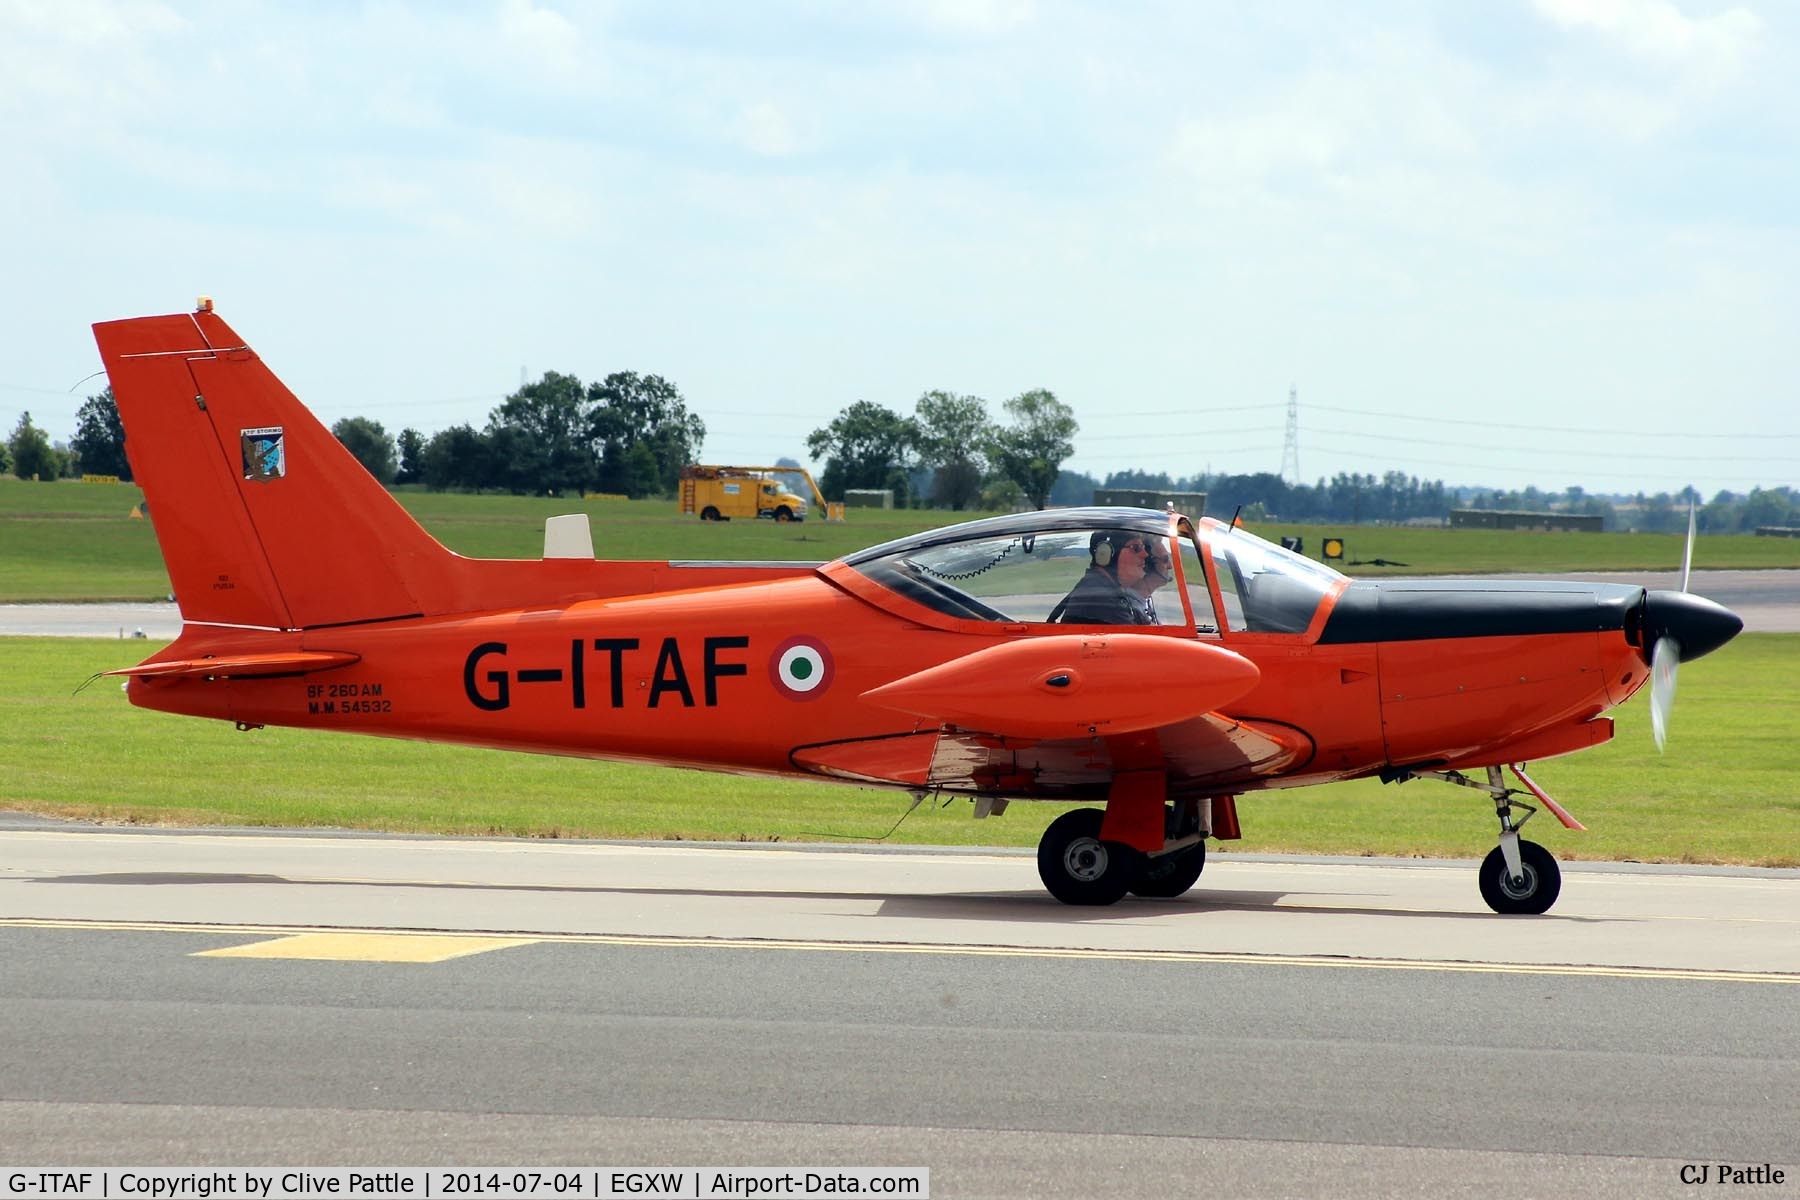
(1509, 518)
(1192, 504)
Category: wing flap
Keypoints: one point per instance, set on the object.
(1212, 753)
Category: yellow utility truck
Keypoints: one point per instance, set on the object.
(721, 493)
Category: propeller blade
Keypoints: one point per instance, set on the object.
(1687, 559)
(1664, 659)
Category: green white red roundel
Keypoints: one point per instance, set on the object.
(801, 668)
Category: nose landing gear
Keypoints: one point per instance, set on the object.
(1517, 877)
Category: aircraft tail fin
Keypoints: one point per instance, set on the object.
(264, 518)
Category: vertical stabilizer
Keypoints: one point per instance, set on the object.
(264, 518)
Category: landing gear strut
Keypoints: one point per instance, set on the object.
(1171, 873)
(1517, 876)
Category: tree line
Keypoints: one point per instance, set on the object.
(949, 453)
(1396, 497)
(627, 434)
(98, 447)
(630, 434)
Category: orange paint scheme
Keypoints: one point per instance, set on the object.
(311, 598)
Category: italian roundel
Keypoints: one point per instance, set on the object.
(801, 668)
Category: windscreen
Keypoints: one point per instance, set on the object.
(1264, 588)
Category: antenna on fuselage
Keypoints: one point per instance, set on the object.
(918, 799)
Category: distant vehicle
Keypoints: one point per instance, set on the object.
(1024, 657)
(721, 493)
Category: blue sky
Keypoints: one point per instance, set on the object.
(1515, 242)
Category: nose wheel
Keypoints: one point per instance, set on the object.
(1531, 889)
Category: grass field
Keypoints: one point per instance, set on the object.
(1725, 793)
(77, 542)
(68, 541)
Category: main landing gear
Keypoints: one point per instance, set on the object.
(1517, 876)
(1078, 867)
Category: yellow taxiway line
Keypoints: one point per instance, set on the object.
(425, 945)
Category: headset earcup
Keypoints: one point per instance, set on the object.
(1103, 554)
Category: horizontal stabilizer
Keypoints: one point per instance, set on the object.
(291, 662)
(1074, 685)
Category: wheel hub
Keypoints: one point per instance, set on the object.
(1085, 859)
(1522, 887)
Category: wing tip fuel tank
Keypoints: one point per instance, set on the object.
(1072, 685)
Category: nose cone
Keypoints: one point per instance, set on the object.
(1697, 624)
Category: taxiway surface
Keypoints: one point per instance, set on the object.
(1291, 1027)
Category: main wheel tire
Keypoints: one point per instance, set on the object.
(1170, 875)
(709, 513)
(1532, 894)
(1078, 868)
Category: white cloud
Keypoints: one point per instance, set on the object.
(1633, 115)
(411, 202)
(980, 17)
(544, 38)
(766, 130)
(399, 105)
(1385, 104)
(90, 20)
(544, 203)
(1712, 49)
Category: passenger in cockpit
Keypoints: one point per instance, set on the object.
(1159, 572)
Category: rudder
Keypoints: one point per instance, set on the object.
(264, 518)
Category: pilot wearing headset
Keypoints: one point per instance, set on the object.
(1105, 595)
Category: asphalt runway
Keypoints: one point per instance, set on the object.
(1291, 1027)
(1769, 602)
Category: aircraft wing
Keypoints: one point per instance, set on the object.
(1059, 716)
(1211, 753)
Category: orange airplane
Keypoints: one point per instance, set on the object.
(1155, 667)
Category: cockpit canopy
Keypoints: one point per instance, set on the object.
(1107, 566)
